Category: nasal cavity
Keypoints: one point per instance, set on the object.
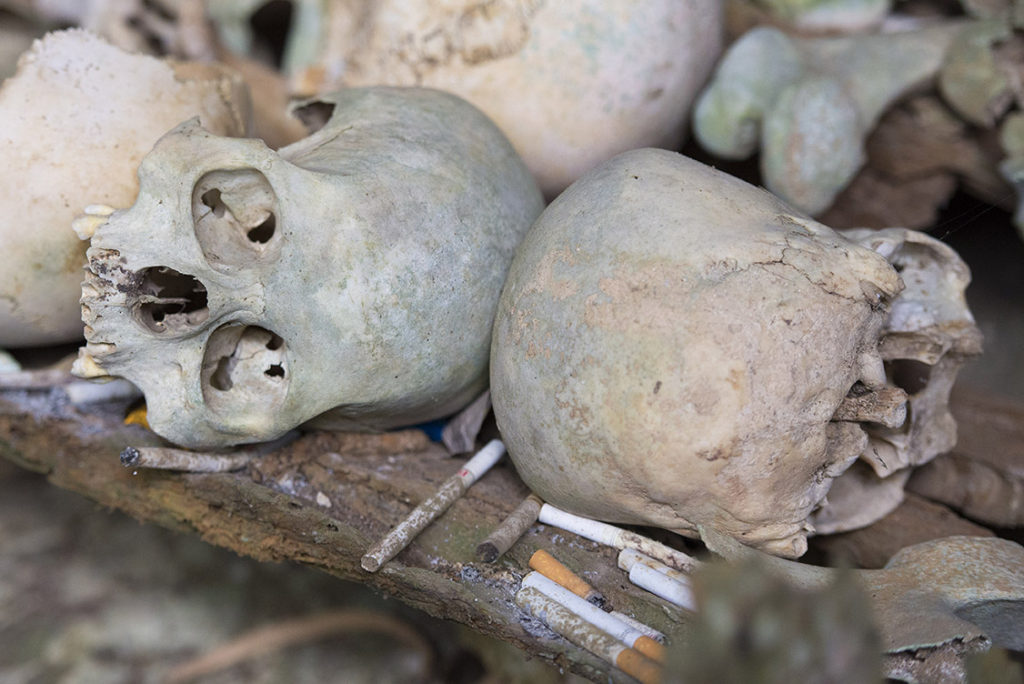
(910, 375)
(168, 300)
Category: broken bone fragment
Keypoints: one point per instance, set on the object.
(78, 116)
(674, 347)
(350, 277)
(808, 104)
(571, 83)
(955, 590)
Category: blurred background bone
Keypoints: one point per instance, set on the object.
(808, 103)
(78, 117)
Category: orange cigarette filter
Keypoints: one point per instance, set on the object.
(650, 648)
(633, 663)
(549, 566)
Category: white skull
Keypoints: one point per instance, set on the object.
(76, 120)
(351, 276)
(675, 347)
(571, 83)
(927, 336)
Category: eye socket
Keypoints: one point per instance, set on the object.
(245, 368)
(167, 300)
(235, 216)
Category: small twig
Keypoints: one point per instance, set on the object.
(403, 534)
(264, 640)
(510, 530)
(166, 458)
(163, 458)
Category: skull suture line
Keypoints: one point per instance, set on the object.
(675, 347)
(351, 277)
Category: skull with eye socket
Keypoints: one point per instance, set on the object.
(350, 278)
(677, 348)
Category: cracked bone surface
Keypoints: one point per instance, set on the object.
(928, 334)
(674, 347)
(571, 83)
(809, 103)
(350, 277)
(77, 118)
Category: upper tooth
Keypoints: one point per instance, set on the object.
(98, 210)
(85, 225)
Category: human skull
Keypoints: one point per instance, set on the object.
(928, 334)
(351, 276)
(76, 120)
(675, 347)
(572, 83)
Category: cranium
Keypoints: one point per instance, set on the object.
(675, 347)
(352, 276)
(571, 83)
(77, 118)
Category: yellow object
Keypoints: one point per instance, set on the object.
(137, 416)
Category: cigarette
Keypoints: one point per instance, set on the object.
(619, 538)
(630, 557)
(510, 530)
(658, 578)
(549, 566)
(587, 636)
(162, 458)
(639, 626)
(597, 617)
(403, 534)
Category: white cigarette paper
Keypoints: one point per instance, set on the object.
(582, 633)
(659, 579)
(630, 557)
(583, 608)
(616, 537)
(664, 586)
(639, 626)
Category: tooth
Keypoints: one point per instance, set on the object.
(85, 366)
(85, 225)
(99, 210)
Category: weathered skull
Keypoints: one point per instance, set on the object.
(351, 276)
(675, 347)
(927, 336)
(76, 120)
